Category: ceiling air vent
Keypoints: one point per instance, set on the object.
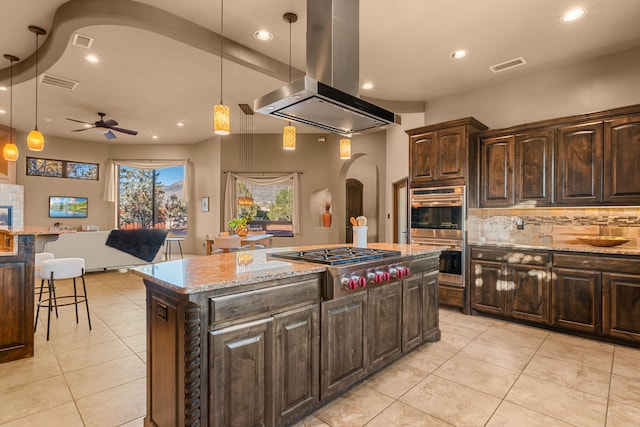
(512, 63)
(81, 40)
(51, 80)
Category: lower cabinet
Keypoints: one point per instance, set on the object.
(577, 300)
(621, 306)
(384, 341)
(430, 310)
(511, 283)
(270, 369)
(343, 342)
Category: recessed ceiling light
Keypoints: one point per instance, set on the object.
(573, 15)
(3, 88)
(3, 112)
(367, 85)
(155, 137)
(263, 35)
(459, 54)
(92, 58)
(180, 124)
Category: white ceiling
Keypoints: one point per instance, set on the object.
(149, 82)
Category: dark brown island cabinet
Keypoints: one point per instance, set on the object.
(16, 296)
(267, 349)
(595, 295)
(586, 160)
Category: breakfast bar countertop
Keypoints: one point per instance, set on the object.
(226, 270)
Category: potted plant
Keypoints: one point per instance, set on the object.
(239, 226)
(326, 216)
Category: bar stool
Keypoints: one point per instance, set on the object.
(43, 256)
(57, 269)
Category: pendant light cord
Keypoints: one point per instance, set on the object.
(36, 118)
(11, 100)
(221, 44)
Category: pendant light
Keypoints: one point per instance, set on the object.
(289, 132)
(35, 139)
(10, 151)
(345, 148)
(221, 120)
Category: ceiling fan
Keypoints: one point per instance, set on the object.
(107, 125)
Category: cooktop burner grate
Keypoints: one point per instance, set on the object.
(337, 256)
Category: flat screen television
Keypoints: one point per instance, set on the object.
(68, 207)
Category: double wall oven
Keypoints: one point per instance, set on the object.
(438, 218)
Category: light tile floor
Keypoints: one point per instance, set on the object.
(483, 372)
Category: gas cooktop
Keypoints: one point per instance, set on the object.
(337, 255)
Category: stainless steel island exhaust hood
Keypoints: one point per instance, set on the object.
(327, 97)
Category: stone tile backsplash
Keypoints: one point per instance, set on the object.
(13, 195)
(500, 224)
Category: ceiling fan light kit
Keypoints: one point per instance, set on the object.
(10, 151)
(221, 113)
(104, 126)
(35, 139)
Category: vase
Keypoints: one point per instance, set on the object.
(242, 230)
(326, 219)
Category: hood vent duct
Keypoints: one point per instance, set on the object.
(327, 97)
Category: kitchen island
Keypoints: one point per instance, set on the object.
(246, 339)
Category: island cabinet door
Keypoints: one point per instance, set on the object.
(412, 312)
(530, 297)
(489, 287)
(16, 311)
(384, 342)
(621, 306)
(343, 333)
(430, 308)
(297, 362)
(240, 375)
(576, 300)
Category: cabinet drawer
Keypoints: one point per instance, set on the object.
(600, 263)
(267, 300)
(451, 295)
(511, 256)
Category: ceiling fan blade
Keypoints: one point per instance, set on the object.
(109, 123)
(127, 131)
(79, 121)
(80, 130)
(109, 135)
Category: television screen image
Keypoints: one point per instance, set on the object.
(68, 207)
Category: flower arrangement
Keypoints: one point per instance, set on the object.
(326, 204)
(237, 221)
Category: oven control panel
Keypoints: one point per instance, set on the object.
(360, 279)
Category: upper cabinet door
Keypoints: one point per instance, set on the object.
(534, 167)
(496, 171)
(579, 164)
(423, 152)
(622, 160)
(452, 153)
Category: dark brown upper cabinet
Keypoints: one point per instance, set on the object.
(439, 154)
(579, 164)
(496, 166)
(622, 160)
(534, 167)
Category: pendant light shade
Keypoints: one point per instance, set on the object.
(289, 137)
(10, 151)
(289, 132)
(35, 139)
(345, 148)
(221, 119)
(221, 112)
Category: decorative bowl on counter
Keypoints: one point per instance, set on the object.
(606, 241)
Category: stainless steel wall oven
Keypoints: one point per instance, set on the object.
(438, 217)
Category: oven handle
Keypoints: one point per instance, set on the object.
(452, 245)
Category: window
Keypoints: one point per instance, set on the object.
(151, 198)
(61, 169)
(269, 207)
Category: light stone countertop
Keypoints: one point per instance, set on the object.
(629, 248)
(226, 270)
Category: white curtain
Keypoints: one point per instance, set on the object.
(286, 178)
(111, 180)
